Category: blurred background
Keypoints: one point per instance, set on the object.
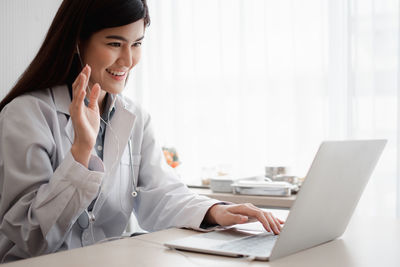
(237, 85)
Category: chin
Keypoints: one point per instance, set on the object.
(118, 90)
(114, 89)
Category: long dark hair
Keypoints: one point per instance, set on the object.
(57, 63)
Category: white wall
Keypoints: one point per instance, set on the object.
(23, 26)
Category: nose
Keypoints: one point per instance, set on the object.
(126, 57)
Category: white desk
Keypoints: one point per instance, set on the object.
(367, 242)
(259, 201)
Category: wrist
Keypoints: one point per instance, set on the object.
(80, 154)
(210, 217)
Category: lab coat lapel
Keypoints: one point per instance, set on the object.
(69, 130)
(116, 138)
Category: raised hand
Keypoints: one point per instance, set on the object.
(85, 120)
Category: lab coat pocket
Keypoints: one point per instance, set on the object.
(126, 181)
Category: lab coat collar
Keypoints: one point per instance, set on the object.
(62, 100)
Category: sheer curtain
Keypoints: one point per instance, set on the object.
(241, 84)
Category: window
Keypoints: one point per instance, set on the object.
(241, 84)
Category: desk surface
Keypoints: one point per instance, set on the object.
(260, 201)
(368, 241)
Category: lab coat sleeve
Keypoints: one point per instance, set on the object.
(163, 200)
(39, 201)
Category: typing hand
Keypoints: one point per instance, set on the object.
(226, 215)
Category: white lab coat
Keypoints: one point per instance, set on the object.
(44, 190)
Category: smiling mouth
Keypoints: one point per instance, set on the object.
(116, 73)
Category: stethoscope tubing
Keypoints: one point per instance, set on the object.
(134, 191)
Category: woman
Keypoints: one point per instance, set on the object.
(76, 158)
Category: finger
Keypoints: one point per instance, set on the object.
(94, 96)
(274, 225)
(75, 85)
(261, 217)
(78, 79)
(77, 104)
(278, 225)
(80, 91)
(87, 71)
(280, 221)
(76, 82)
(79, 100)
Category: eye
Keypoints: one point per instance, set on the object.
(115, 44)
(137, 44)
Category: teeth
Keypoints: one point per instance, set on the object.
(116, 73)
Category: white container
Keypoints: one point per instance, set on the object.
(221, 184)
(262, 188)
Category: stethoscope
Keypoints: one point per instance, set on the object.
(87, 218)
(134, 191)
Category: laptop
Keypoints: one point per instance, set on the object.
(322, 210)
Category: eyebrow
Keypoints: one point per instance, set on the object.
(123, 38)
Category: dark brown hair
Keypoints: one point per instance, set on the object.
(56, 62)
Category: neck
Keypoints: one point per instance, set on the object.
(102, 101)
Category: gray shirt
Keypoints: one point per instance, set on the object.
(106, 116)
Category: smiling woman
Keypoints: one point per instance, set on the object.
(76, 157)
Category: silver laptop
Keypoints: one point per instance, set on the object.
(321, 212)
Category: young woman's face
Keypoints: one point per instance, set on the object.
(112, 53)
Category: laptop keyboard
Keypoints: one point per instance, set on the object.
(253, 245)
